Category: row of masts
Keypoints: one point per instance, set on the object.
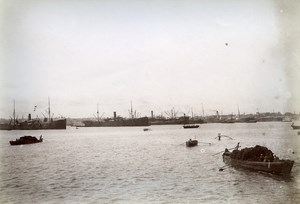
(172, 114)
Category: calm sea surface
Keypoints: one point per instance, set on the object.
(128, 165)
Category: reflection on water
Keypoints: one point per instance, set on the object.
(129, 165)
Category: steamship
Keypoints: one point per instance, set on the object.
(34, 124)
(117, 121)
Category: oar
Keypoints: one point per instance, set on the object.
(228, 137)
(217, 153)
(223, 167)
(222, 151)
(205, 143)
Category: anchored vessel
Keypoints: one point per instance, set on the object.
(117, 121)
(257, 158)
(35, 124)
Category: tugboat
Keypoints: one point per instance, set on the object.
(191, 143)
(26, 140)
(257, 158)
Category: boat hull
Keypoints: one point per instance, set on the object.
(26, 140)
(296, 127)
(191, 143)
(57, 124)
(5, 127)
(118, 123)
(190, 126)
(36, 125)
(275, 167)
(22, 143)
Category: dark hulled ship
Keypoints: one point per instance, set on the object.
(133, 120)
(117, 122)
(34, 124)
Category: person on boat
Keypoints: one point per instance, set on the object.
(237, 146)
(219, 136)
(276, 158)
(261, 157)
(41, 138)
(270, 157)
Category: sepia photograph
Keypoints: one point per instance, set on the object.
(139, 102)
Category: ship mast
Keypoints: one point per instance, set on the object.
(98, 112)
(98, 117)
(49, 113)
(14, 113)
(131, 111)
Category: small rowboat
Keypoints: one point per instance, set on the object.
(295, 127)
(191, 143)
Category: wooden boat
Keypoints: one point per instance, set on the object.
(190, 126)
(295, 127)
(26, 140)
(274, 166)
(191, 143)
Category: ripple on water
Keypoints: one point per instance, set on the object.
(123, 165)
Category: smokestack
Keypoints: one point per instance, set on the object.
(115, 115)
(29, 116)
(152, 115)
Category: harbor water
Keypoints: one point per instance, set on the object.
(129, 165)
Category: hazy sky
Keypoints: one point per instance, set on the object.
(157, 54)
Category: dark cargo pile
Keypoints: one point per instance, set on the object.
(29, 138)
(257, 153)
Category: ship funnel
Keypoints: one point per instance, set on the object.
(115, 115)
